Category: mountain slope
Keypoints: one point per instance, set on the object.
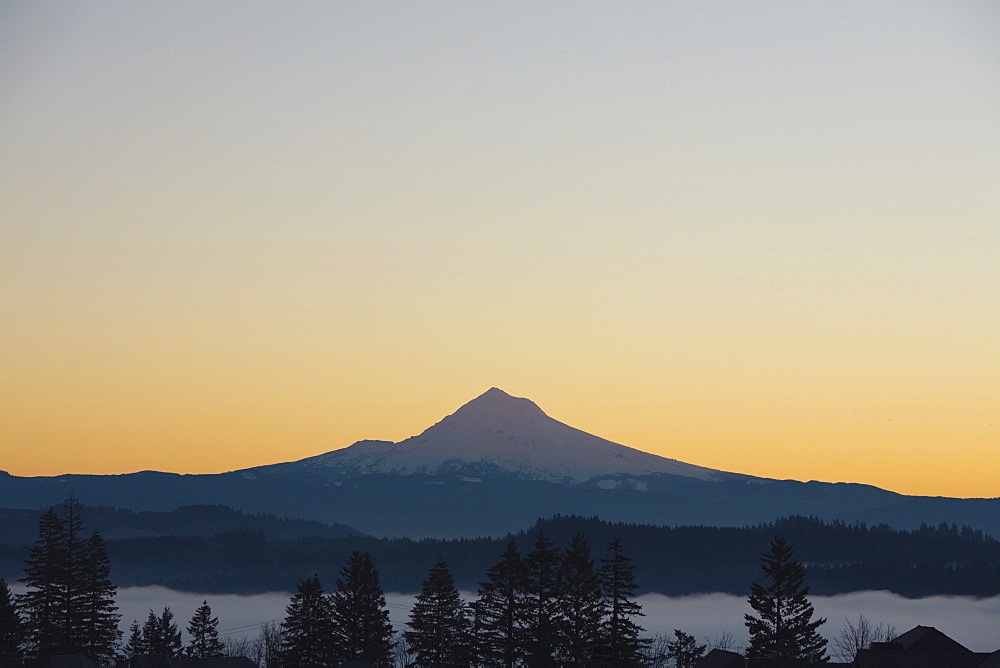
(499, 436)
(496, 465)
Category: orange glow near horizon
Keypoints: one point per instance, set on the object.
(761, 239)
(848, 443)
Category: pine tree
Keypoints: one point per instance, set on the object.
(581, 604)
(362, 631)
(135, 645)
(69, 603)
(204, 631)
(684, 650)
(73, 589)
(98, 611)
(621, 634)
(10, 624)
(44, 576)
(307, 632)
(170, 634)
(784, 628)
(152, 635)
(502, 610)
(160, 635)
(543, 621)
(439, 623)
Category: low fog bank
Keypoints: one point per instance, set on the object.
(973, 622)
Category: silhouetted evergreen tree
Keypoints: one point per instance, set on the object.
(784, 628)
(361, 628)
(502, 610)
(152, 636)
(204, 631)
(44, 575)
(621, 635)
(10, 624)
(581, 604)
(160, 635)
(440, 634)
(97, 603)
(684, 650)
(307, 632)
(542, 592)
(135, 645)
(74, 594)
(69, 603)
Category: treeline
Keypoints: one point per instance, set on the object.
(674, 561)
(550, 607)
(938, 560)
(841, 557)
(68, 606)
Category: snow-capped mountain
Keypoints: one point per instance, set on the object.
(495, 466)
(499, 436)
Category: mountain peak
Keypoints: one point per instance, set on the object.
(499, 435)
(496, 405)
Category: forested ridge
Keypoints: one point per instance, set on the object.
(21, 525)
(672, 560)
(548, 607)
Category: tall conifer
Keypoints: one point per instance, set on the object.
(153, 641)
(74, 592)
(307, 631)
(621, 634)
(170, 634)
(440, 628)
(783, 627)
(582, 606)
(69, 605)
(161, 636)
(543, 620)
(98, 611)
(502, 610)
(135, 645)
(362, 631)
(44, 576)
(204, 631)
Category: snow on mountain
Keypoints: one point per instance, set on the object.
(497, 435)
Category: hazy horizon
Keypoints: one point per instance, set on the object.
(431, 424)
(756, 237)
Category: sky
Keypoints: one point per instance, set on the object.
(760, 237)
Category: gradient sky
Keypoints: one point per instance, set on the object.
(762, 237)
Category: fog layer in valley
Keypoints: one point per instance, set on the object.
(973, 622)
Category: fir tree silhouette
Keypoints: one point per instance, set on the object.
(783, 627)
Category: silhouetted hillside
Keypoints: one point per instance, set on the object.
(21, 526)
(680, 560)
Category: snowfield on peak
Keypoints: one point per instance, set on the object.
(497, 435)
